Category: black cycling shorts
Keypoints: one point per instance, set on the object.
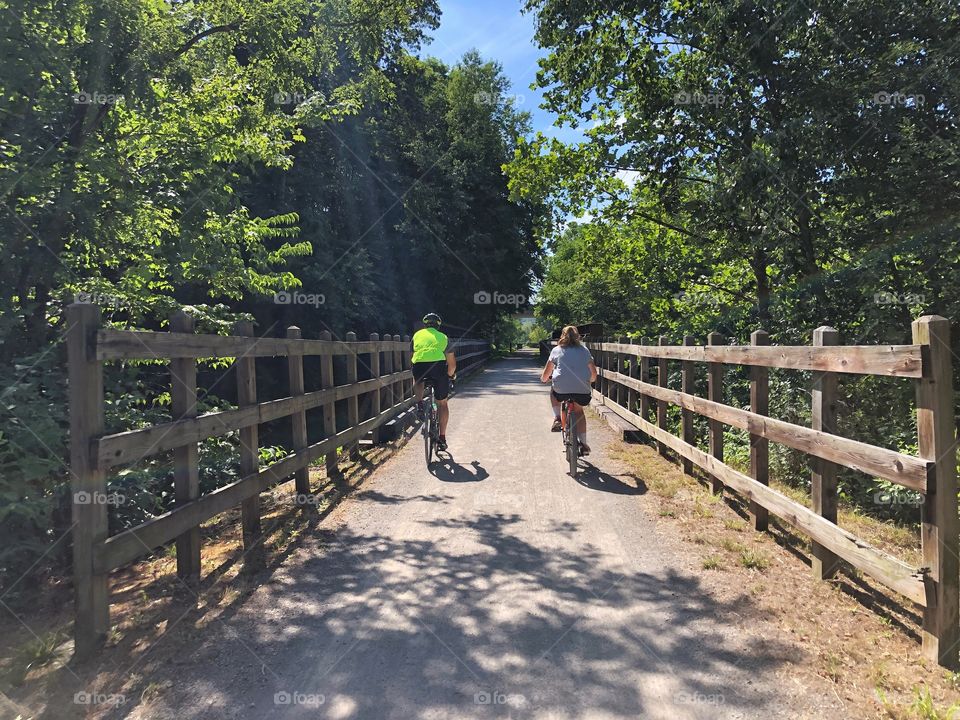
(436, 372)
(578, 398)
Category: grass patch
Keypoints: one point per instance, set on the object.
(754, 559)
(731, 545)
(701, 511)
(37, 653)
(925, 708)
(712, 562)
(665, 488)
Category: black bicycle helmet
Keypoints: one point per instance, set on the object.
(432, 320)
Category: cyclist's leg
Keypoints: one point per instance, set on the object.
(581, 425)
(418, 389)
(555, 403)
(441, 389)
(443, 410)
(418, 375)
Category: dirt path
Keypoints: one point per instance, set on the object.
(495, 587)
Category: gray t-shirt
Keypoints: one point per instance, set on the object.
(571, 369)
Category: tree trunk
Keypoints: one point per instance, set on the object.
(759, 263)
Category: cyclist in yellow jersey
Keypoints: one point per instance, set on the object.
(433, 359)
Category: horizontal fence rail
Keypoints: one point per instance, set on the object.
(626, 387)
(888, 360)
(370, 404)
(146, 345)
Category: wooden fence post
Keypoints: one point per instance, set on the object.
(327, 380)
(353, 403)
(406, 355)
(644, 377)
(937, 439)
(249, 448)
(823, 478)
(601, 362)
(398, 387)
(612, 387)
(715, 393)
(186, 470)
(759, 446)
(298, 420)
(661, 404)
(374, 397)
(622, 358)
(87, 482)
(632, 372)
(608, 386)
(686, 416)
(387, 370)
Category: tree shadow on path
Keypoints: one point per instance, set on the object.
(433, 623)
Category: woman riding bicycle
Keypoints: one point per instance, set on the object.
(572, 371)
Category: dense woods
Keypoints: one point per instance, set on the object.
(292, 162)
(755, 164)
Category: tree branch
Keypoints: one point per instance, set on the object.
(229, 27)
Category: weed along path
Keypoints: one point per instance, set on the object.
(493, 586)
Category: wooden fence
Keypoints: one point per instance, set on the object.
(627, 389)
(370, 404)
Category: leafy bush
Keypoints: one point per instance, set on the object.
(34, 502)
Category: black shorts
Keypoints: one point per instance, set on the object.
(436, 372)
(579, 398)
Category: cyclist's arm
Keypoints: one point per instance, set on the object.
(451, 364)
(593, 370)
(547, 372)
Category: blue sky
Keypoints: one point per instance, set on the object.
(500, 32)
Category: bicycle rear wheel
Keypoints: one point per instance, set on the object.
(428, 421)
(573, 442)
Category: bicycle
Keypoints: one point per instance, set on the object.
(431, 421)
(568, 428)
